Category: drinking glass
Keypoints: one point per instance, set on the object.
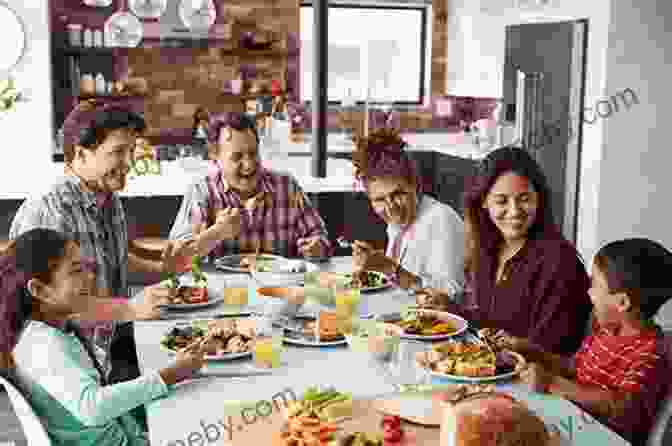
(236, 294)
(404, 371)
(267, 349)
(348, 298)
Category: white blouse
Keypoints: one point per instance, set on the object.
(433, 248)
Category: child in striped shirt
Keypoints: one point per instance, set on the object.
(619, 373)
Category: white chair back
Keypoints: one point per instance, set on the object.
(33, 428)
(661, 433)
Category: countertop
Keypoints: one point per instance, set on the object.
(174, 179)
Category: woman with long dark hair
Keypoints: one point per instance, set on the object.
(46, 285)
(522, 275)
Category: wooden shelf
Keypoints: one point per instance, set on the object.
(111, 97)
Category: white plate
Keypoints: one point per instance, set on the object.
(483, 379)
(226, 357)
(281, 278)
(461, 322)
(196, 306)
(227, 263)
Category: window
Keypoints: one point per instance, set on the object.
(388, 44)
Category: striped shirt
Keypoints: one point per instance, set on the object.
(283, 214)
(632, 365)
(100, 231)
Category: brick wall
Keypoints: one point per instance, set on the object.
(181, 79)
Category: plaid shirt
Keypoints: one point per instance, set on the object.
(632, 365)
(283, 214)
(100, 231)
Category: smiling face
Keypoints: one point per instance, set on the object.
(609, 308)
(512, 205)
(239, 156)
(108, 165)
(72, 284)
(394, 199)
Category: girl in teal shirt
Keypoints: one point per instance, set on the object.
(44, 285)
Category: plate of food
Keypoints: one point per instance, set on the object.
(366, 280)
(427, 325)
(244, 263)
(310, 331)
(192, 289)
(325, 404)
(222, 340)
(470, 362)
(369, 281)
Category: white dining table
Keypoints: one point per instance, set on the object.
(212, 410)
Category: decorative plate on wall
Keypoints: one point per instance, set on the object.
(14, 39)
(148, 9)
(123, 29)
(198, 14)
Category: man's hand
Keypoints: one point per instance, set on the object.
(153, 296)
(176, 257)
(503, 340)
(366, 258)
(431, 298)
(311, 247)
(227, 223)
(537, 378)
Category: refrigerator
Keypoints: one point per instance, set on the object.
(543, 91)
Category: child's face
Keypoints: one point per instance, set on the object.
(72, 285)
(609, 308)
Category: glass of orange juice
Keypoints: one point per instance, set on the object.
(348, 298)
(236, 295)
(267, 348)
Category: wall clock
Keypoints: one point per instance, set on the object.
(123, 29)
(198, 14)
(14, 39)
(148, 9)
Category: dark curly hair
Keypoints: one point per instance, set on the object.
(383, 154)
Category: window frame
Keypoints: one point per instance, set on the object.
(425, 43)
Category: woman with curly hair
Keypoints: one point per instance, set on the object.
(426, 237)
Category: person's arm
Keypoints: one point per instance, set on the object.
(442, 245)
(139, 265)
(44, 212)
(561, 306)
(556, 364)
(310, 223)
(60, 371)
(627, 401)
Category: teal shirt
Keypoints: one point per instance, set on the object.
(63, 388)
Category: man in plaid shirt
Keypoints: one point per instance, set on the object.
(83, 205)
(241, 207)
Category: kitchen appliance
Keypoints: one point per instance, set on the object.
(544, 81)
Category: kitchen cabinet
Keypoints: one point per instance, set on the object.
(475, 49)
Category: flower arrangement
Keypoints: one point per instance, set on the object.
(9, 95)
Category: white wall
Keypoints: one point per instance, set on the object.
(26, 133)
(635, 171)
(488, 21)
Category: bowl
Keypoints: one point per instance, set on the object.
(277, 302)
